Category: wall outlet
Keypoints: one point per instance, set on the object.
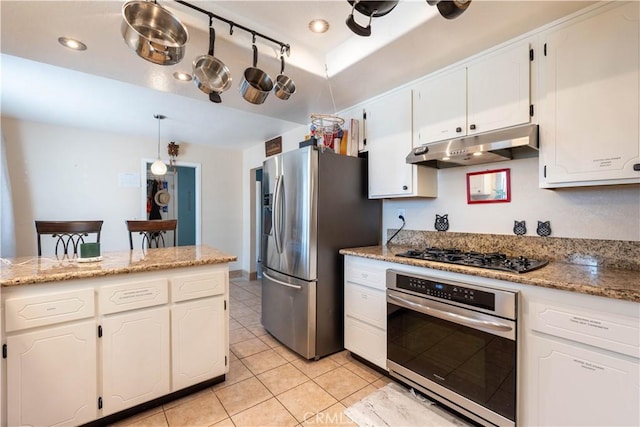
(401, 214)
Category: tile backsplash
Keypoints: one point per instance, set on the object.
(603, 253)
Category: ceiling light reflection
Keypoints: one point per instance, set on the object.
(72, 43)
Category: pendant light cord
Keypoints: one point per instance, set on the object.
(333, 101)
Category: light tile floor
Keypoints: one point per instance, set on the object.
(267, 384)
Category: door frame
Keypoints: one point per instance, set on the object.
(198, 192)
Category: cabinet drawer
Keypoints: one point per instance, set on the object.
(366, 304)
(614, 333)
(364, 274)
(48, 309)
(365, 341)
(198, 286)
(132, 295)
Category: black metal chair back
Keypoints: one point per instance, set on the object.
(68, 234)
(152, 231)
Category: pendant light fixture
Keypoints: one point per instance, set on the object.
(158, 167)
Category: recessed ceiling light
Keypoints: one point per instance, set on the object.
(72, 43)
(182, 76)
(319, 26)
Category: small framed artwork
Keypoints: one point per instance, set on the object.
(273, 146)
(492, 186)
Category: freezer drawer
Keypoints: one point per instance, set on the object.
(289, 311)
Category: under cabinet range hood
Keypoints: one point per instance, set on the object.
(496, 146)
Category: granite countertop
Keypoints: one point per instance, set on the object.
(606, 282)
(30, 270)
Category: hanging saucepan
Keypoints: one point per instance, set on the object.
(284, 87)
(210, 75)
(256, 84)
(372, 9)
(153, 32)
(450, 9)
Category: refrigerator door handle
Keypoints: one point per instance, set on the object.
(278, 209)
(281, 282)
(276, 215)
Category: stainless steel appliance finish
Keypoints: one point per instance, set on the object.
(314, 203)
(493, 260)
(495, 146)
(456, 342)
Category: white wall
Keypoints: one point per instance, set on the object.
(62, 173)
(606, 212)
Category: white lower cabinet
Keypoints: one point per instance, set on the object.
(80, 350)
(51, 357)
(365, 309)
(51, 375)
(198, 341)
(135, 358)
(582, 363)
(579, 386)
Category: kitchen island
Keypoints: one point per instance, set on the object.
(93, 341)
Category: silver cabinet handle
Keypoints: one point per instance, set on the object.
(455, 318)
(280, 282)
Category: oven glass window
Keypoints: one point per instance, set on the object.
(475, 364)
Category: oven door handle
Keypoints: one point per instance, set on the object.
(456, 318)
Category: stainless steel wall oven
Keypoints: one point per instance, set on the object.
(455, 342)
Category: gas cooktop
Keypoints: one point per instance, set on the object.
(493, 261)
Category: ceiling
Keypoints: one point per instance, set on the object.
(109, 88)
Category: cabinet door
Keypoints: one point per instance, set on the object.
(135, 358)
(498, 90)
(199, 341)
(388, 128)
(366, 341)
(574, 386)
(51, 376)
(440, 108)
(590, 76)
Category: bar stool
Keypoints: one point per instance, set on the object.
(152, 231)
(68, 234)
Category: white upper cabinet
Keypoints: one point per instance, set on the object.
(492, 92)
(388, 133)
(589, 124)
(498, 90)
(440, 107)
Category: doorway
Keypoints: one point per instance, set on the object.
(255, 246)
(183, 184)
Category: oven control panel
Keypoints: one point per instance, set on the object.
(446, 291)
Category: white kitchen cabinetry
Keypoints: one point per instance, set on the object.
(388, 133)
(199, 321)
(585, 367)
(80, 350)
(489, 93)
(365, 309)
(51, 358)
(589, 124)
(135, 343)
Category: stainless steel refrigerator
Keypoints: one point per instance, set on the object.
(314, 203)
